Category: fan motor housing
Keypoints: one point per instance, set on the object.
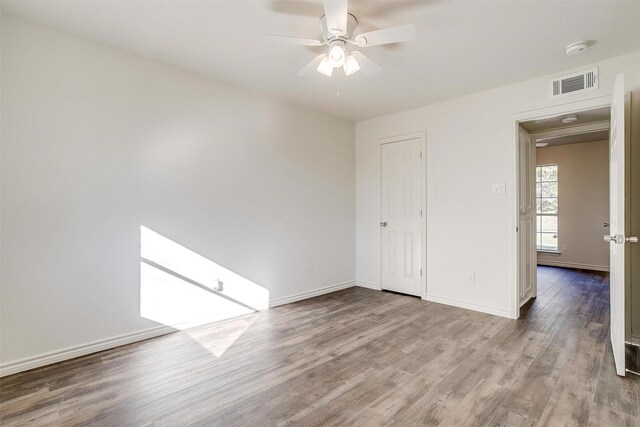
(352, 23)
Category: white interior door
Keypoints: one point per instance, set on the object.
(401, 212)
(617, 222)
(527, 218)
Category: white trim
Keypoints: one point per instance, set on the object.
(423, 144)
(422, 135)
(310, 294)
(368, 285)
(56, 356)
(548, 252)
(512, 152)
(81, 350)
(400, 138)
(469, 306)
(593, 267)
(571, 130)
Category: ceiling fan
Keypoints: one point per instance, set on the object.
(337, 26)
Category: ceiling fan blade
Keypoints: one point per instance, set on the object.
(295, 40)
(311, 68)
(368, 67)
(401, 33)
(336, 15)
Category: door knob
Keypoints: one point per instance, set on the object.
(383, 224)
(609, 239)
(633, 239)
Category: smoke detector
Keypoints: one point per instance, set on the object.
(576, 48)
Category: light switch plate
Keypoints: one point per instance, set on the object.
(432, 192)
(499, 188)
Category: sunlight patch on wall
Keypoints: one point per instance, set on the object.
(178, 259)
(167, 299)
(178, 289)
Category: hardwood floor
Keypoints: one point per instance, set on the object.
(354, 357)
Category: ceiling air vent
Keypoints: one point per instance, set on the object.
(575, 83)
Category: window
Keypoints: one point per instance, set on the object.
(547, 207)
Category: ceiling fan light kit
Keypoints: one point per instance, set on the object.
(350, 65)
(337, 26)
(325, 67)
(337, 53)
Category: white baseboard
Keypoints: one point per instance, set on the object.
(80, 350)
(469, 306)
(552, 263)
(368, 285)
(310, 294)
(37, 361)
(447, 301)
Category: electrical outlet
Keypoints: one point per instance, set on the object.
(499, 188)
(432, 192)
(471, 277)
(564, 248)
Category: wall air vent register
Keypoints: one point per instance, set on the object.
(583, 81)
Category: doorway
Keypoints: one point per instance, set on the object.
(540, 231)
(568, 189)
(402, 214)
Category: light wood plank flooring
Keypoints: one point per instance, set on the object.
(354, 357)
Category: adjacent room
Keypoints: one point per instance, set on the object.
(566, 167)
(269, 212)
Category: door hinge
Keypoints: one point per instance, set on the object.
(420, 153)
(516, 229)
(420, 213)
(420, 272)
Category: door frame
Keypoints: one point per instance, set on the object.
(514, 178)
(423, 203)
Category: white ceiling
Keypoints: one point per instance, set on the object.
(577, 139)
(582, 118)
(462, 47)
(554, 124)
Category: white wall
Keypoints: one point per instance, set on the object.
(469, 148)
(97, 142)
(583, 190)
